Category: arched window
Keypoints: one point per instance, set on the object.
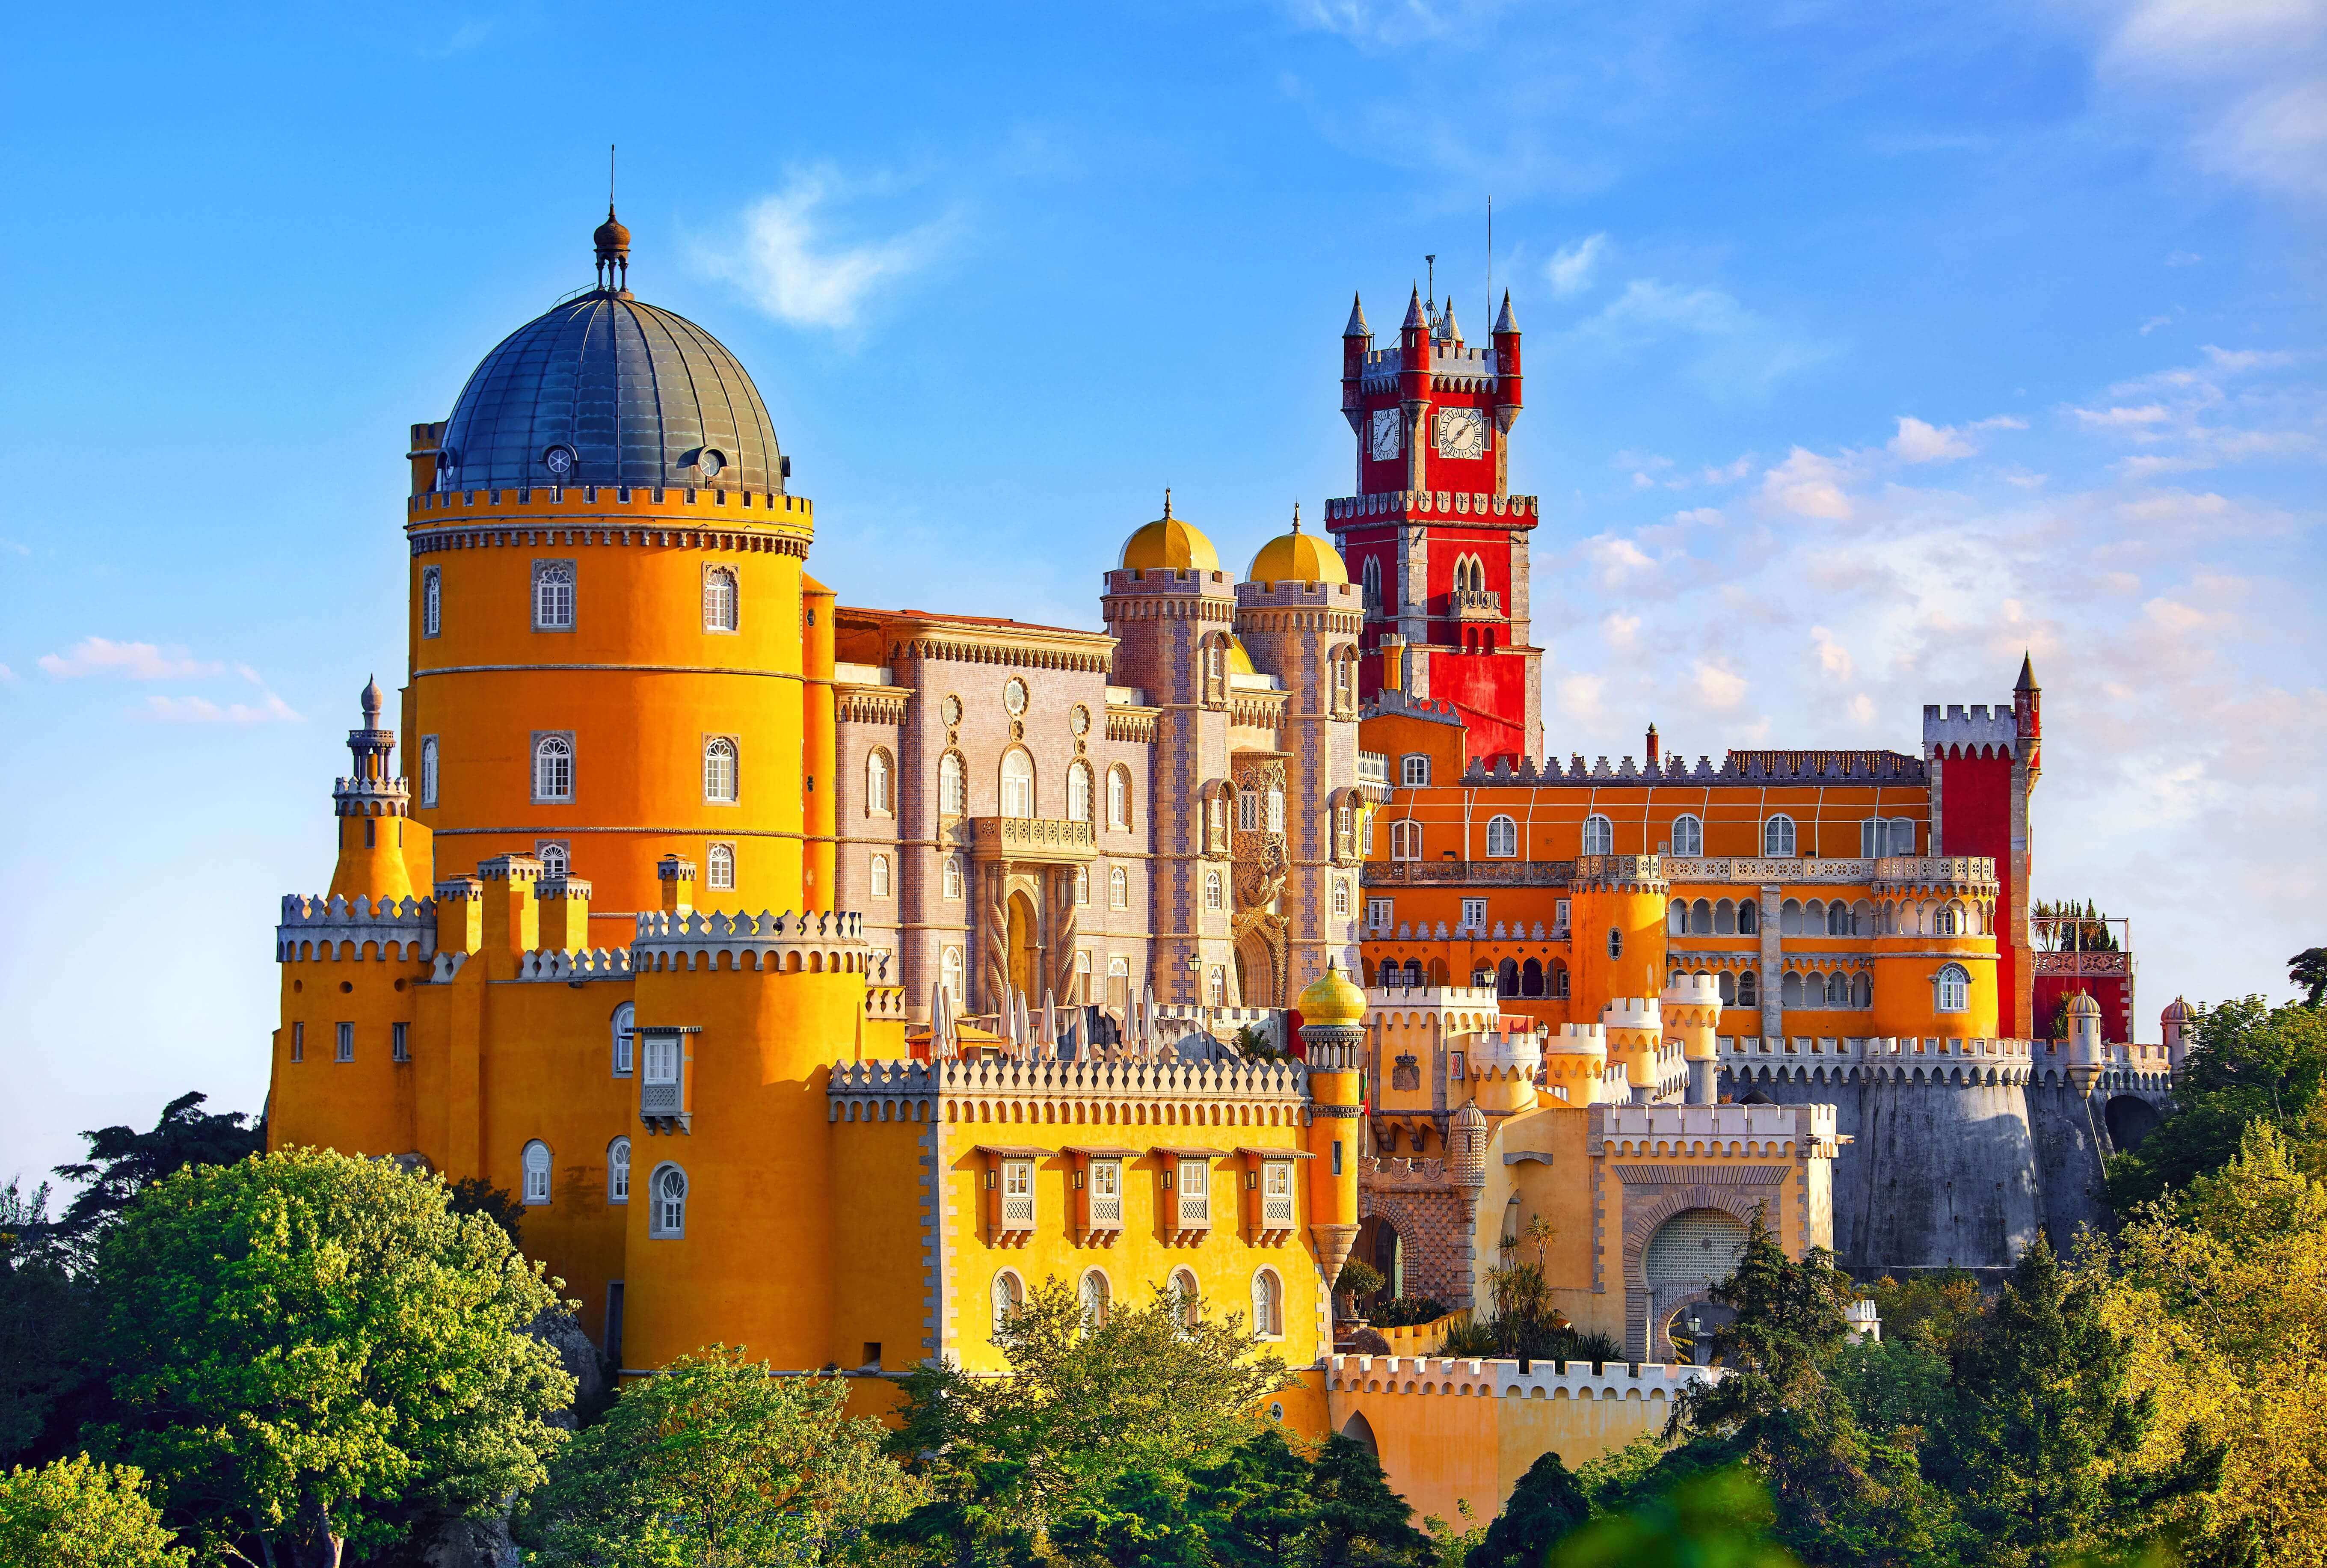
(1247, 811)
(1186, 1295)
(1118, 798)
(618, 1170)
(1078, 792)
(1344, 901)
(876, 783)
(1275, 820)
(1862, 991)
(719, 770)
(667, 1199)
(1778, 836)
(1790, 992)
(1902, 835)
(1949, 921)
(1413, 974)
(428, 770)
(1405, 840)
(1954, 986)
(1009, 1296)
(1837, 989)
(953, 786)
(1676, 918)
(1082, 885)
(1615, 942)
(1213, 890)
(1728, 989)
(1502, 837)
(880, 876)
(719, 867)
(1555, 981)
(1724, 918)
(536, 1172)
(1017, 783)
(1345, 681)
(1267, 1305)
(432, 601)
(1119, 888)
(1839, 922)
(1749, 989)
(1687, 837)
(553, 595)
(553, 767)
(1216, 818)
(1096, 1298)
(555, 862)
(719, 599)
(949, 973)
(1531, 977)
(1414, 770)
(1700, 919)
(1218, 989)
(1599, 835)
(624, 1028)
(1749, 917)
(1790, 917)
(952, 879)
(1370, 580)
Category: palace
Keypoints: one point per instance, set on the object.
(822, 978)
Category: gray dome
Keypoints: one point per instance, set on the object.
(604, 389)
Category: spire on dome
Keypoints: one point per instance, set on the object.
(1357, 326)
(1414, 310)
(1507, 322)
(1167, 500)
(2027, 682)
(1446, 327)
(613, 243)
(373, 702)
(1296, 516)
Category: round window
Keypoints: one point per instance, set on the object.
(1013, 696)
(1080, 720)
(711, 462)
(951, 710)
(558, 461)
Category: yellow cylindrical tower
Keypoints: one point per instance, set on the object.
(607, 614)
(1333, 1011)
(1618, 921)
(1575, 1063)
(734, 1162)
(378, 843)
(1503, 1068)
(1691, 1009)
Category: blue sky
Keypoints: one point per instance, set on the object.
(1866, 346)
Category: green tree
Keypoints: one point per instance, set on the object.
(43, 1311)
(1720, 1520)
(2043, 1422)
(1254, 1504)
(1845, 1494)
(2308, 969)
(123, 1161)
(1361, 1522)
(1545, 1508)
(475, 1195)
(2246, 1061)
(1138, 1519)
(1160, 1388)
(79, 1513)
(304, 1342)
(717, 1461)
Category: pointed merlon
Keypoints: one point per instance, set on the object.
(2027, 682)
(1507, 322)
(1357, 326)
(1414, 310)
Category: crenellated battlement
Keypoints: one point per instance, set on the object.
(577, 964)
(1344, 512)
(1422, 1375)
(1970, 731)
(1633, 1013)
(1736, 767)
(1129, 1091)
(327, 928)
(1751, 1131)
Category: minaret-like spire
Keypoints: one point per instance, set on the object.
(1357, 326)
(1506, 322)
(1446, 327)
(1167, 502)
(613, 247)
(1413, 317)
(2027, 681)
(1296, 516)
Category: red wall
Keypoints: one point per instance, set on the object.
(2111, 991)
(1977, 807)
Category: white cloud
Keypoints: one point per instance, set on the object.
(1619, 560)
(1579, 697)
(1390, 23)
(2240, 79)
(2233, 360)
(2122, 418)
(1920, 443)
(791, 264)
(1621, 630)
(1569, 270)
(2154, 323)
(268, 709)
(1809, 485)
(1720, 689)
(7, 676)
(1703, 517)
(101, 656)
(2184, 258)
(1738, 352)
(1833, 658)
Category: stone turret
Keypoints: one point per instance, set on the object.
(1333, 1011)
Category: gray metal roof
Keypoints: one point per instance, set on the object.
(637, 395)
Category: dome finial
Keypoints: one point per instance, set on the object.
(373, 701)
(612, 241)
(1167, 500)
(1296, 516)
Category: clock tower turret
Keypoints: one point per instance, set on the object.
(1433, 535)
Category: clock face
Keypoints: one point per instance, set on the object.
(1388, 424)
(1462, 432)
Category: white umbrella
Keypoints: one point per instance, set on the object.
(1050, 1035)
(940, 1022)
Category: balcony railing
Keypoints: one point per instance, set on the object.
(1495, 874)
(1036, 838)
(1373, 767)
(1107, 1211)
(1195, 1209)
(1276, 1209)
(1475, 604)
(1018, 1210)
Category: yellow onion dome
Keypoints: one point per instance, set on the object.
(1167, 542)
(1331, 999)
(1240, 657)
(1298, 557)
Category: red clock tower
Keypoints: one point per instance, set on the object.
(1434, 535)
